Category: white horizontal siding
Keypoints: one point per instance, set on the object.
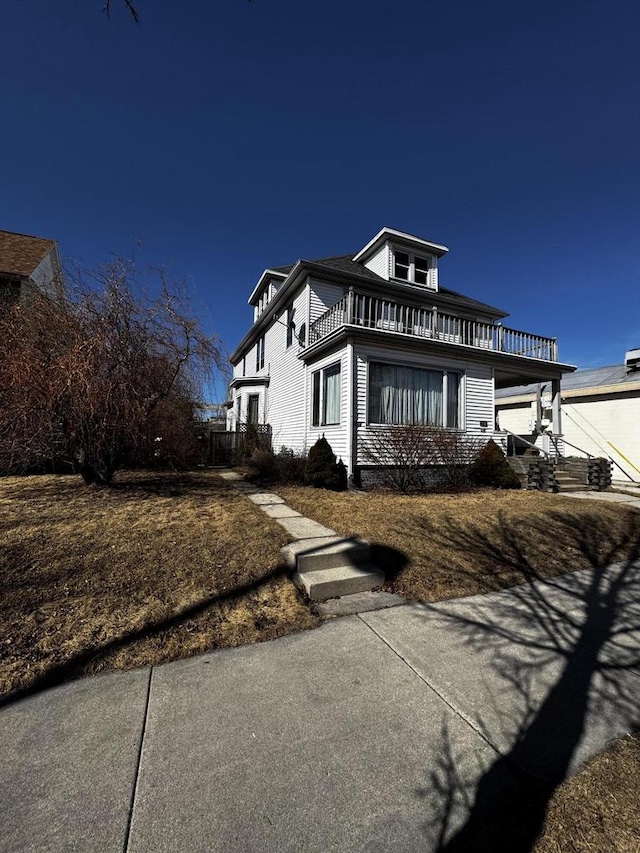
(323, 296)
(286, 407)
(478, 402)
(380, 262)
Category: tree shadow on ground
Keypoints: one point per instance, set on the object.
(75, 665)
(554, 659)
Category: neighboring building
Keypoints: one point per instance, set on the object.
(352, 345)
(27, 262)
(600, 415)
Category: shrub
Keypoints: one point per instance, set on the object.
(322, 470)
(265, 466)
(492, 469)
(291, 466)
(416, 457)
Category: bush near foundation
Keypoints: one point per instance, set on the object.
(491, 468)
(323, 470)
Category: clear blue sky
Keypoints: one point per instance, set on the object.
(229, 136)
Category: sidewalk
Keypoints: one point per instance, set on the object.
(628, 497)
(363, 734)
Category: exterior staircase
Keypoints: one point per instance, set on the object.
(328, 567)
(567, 483)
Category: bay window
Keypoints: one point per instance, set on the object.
(413, 395)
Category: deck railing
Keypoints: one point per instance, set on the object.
(372, 312)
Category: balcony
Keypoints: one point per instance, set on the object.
(372, 312)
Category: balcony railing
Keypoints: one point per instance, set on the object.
(372, 312)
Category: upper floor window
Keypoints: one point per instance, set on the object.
(260, 354)
(411, 267)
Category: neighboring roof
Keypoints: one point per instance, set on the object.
(582, 380)
(20, 254)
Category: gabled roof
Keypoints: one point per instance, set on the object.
(583, 380)
(20, 254)
(402, 237)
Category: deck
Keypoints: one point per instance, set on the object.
(371, 312)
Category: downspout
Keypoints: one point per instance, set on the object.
(305, 377)
(354, 470)
(350, 394)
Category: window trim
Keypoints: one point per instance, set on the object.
(318, 395)
(445, 371)
(411, 270)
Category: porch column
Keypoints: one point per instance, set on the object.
(556, 407)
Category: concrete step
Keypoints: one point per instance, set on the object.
(572, 487)
(322, 584)
(326, 552)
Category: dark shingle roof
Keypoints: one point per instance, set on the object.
(595, 377)
(346, 264)
(20, 254)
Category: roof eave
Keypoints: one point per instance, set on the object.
(399, 236)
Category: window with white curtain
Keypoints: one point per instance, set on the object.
(412, 395)
(326, 396)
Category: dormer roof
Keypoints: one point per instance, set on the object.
(263, 281)
(399, 238)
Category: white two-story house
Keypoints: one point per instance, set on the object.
(348, 345)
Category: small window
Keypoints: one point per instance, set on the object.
(260, 354)
(290, 326)
(410, 267)
(326, 396)
(302, 335)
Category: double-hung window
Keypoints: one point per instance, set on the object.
(411, 267)
(260, 354)
(326, 396)
(412, 395)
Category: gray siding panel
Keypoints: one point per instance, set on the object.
(285, 409)
(380, 263)
(336, 434)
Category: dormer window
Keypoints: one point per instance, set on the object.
(411, 267)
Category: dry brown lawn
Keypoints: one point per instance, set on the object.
(436, 547)
(598, 809)
(159, 567)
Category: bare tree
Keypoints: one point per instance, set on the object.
(84, 374)
(406, 456)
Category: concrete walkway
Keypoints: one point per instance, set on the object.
(627, 497)
(365, 734)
